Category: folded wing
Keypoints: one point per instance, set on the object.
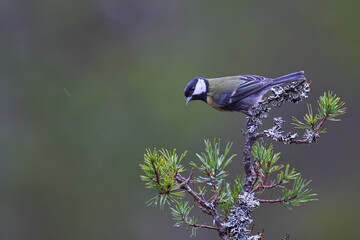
(237, 87)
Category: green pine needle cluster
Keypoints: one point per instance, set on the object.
(213, 163)
(163, 175)
(229, 196)
(266, 159)
(266, 166)
(329, 108)
(298, 194)
(160, 168)
(181, 213)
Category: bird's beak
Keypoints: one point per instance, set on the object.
(188, 100)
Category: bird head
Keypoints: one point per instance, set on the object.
(196, 89)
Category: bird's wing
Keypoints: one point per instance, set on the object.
(228, 90)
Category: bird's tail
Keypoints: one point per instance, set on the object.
(292, 77)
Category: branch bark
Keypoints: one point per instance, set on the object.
(250, 174)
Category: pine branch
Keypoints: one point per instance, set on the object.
(229, 206)
(205, 206)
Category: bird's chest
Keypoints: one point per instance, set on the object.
(210, 101)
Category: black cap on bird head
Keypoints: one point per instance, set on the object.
(197, 89)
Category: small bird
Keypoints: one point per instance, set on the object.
(236, 93)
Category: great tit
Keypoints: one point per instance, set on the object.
(236, 93)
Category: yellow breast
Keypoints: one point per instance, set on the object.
(210, 101)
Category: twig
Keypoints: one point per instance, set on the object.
(206, 207)
(197, 225)
(322, 122)
(299, 141)
(216, 195)
(156, 174)
(276, 200)
(272, 186)
(190, 176)
(273, 136)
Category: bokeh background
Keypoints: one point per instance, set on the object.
(86, 86)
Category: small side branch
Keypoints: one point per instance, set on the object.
(286, 139)
(198, 225)
(264, 187)
(272, 186)
(277, 200)
(206, 207)
(300, 141)
(157, 178)
(216, 195)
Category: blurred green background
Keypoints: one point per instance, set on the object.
(86, 86)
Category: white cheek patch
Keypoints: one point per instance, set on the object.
(200, 87)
